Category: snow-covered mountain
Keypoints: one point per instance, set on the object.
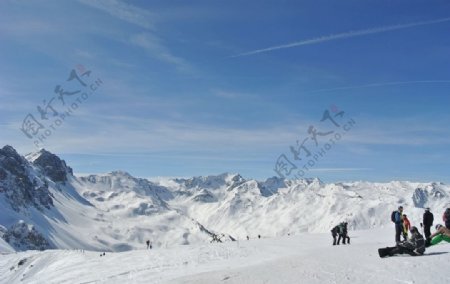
(45, 206)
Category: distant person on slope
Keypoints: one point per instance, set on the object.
(346, 233)
(415, 246)
(343, 233)
(446, 218)
(334, 234)
(428, 220)
(406, 227)
(397, 218)
(441, 234)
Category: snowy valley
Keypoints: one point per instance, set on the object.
(45, 206)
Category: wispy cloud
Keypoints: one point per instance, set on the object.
(158, 50)
(148, 40)
(339, 169)
(381, 84)
(344, 35)
(124, 11)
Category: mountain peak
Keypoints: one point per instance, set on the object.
(51, 165)
(121, 174)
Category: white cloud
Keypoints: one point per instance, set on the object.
(339, 169)
(124, 11)
(381, 84)
(155, 47)
(344, 35)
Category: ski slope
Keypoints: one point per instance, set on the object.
(305, 258)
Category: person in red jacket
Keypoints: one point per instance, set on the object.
(406, 227)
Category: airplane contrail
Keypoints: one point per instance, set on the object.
(343, 36)
(382, 84)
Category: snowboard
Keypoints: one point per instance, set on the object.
(383, 252)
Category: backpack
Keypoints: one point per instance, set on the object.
(393, 216)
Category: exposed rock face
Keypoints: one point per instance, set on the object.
(52, 166)
(19, 184)
(25, 237)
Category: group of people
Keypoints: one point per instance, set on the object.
(340, 232)
(416, 244)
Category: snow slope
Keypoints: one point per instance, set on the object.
(306, 258)
(41, 198)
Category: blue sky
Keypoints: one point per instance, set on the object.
(205, 87)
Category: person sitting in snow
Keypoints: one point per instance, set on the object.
(415, 246)
(441, 234)
(406, 227)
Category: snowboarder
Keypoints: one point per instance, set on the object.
(446, 218)
(428, 220)
(441, 234)
(415, 246)
(406, 227)
(397, 218)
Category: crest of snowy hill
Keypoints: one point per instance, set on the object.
(45, 206)
(229, 203)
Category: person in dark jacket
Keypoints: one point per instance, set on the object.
(428, 220)
(343, 233)
(398, 220)
(334, 233)
(415, 246)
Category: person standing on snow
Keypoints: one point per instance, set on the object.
(428, 220)
(397, 218)
(334, 233)
(343, 233)
(406, 227)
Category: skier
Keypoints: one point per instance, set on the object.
(446, 218)
(397, 218)
(334, 233)
(259, 236)
(248, 238)
(441, 234)
(415, 246)
(406, 227)
(428, 219)
(148, 244)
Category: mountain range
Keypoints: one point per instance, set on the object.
(45, 206)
